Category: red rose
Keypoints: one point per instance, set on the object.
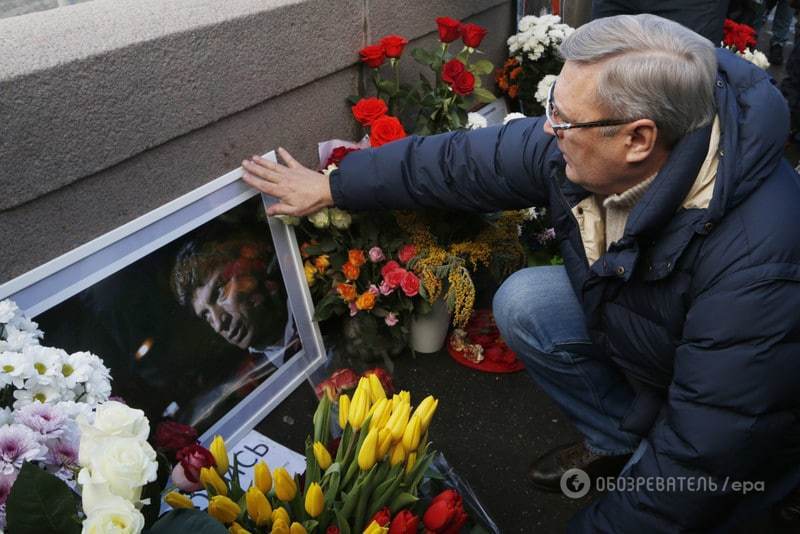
(393, 45)
(448, 29)
(410, 284)
(367, 110)
(186, 473)
(172, 436)
(464, 84)
(340, 380)
(451, 70)
(384, 377)
(383, 517)
(404, 522)
(333, 529)
(338, 155)
(395, 278)
(373, 55)
(740, 36)
(385, 130)
(472, 34)
(446, 513)
(406, 252)
(389, 267)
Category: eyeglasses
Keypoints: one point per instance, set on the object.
(551, 111)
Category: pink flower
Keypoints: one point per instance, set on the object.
(386, 289)
(374, 290)
(394, 278)
(376, 254)
(45, 419)
(18, 444)
(389, 267)
(410, 284)
(406, 252)
(6, 481)
(353, 309)
(391, 319)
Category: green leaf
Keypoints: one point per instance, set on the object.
(187, 521)
(41, 503)
(483, 95)
(481, 67)
(341, 521)
(404, 500)
(423, 56)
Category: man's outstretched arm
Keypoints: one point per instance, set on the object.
(501, 167)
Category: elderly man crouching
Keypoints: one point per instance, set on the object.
(672, 332)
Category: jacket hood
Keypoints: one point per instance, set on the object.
(754, 120)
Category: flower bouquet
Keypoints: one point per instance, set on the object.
(742, 39)
(533, 62)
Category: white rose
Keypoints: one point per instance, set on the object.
(320, 219)
(114, 419)
(340, 219)
(123, 464)
(113, 516)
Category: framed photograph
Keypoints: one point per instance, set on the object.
(200, 308)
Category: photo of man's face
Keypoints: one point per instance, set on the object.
(232, 283)
(235, 306)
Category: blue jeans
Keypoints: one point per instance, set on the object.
(540, 317)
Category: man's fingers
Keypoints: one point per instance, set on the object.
(264, 169)
(264, 186)
(290, 161)
(281, 209)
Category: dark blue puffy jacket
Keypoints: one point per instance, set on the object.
(699, 307)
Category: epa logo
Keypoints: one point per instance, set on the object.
(575, 483)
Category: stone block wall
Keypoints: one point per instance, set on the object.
(111, 108)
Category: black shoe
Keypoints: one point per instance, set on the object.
(546, 471)
(775, 56)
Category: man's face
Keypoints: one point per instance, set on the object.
(235, 309)
(594, 161)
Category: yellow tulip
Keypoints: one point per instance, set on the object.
(315, 500)
(258, 507)
(380, 413)
(310, 271)
(297, 528)
(344, 410)
(375, 528)
(359, 408)
(366, 456)
(322, 455)
(412, 434)
(425, 411)
(178, 500)
(280, 514)
(223, 509)
(211, 479)
(280, 527)
(398, 455)
(398, 420)
(412, 459)
(236, 528)
(384, 442)
(285, 487)
(262, 477)
(405, 396)
(220, 454)
(376, 391)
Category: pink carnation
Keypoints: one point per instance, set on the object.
(391, 319)
(376, 254)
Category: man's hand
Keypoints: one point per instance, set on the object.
(299, 190)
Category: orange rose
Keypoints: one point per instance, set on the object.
(322, 263)
(366, 301)
(356, 257)
(347, 292)
(351, 271)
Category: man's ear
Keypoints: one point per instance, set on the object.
(641, 137)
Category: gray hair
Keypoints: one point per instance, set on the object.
(654, 68)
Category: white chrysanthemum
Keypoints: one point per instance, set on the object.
(46, 363)
(543, 88)
(329, 169)
(16, 340)
(14, 369)
(537, 35)
(8, 309)
(6, 416)
(513, 116)
(35, 392)
(756, 57)
(476, 121)
(77, 368)
(94, 391)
